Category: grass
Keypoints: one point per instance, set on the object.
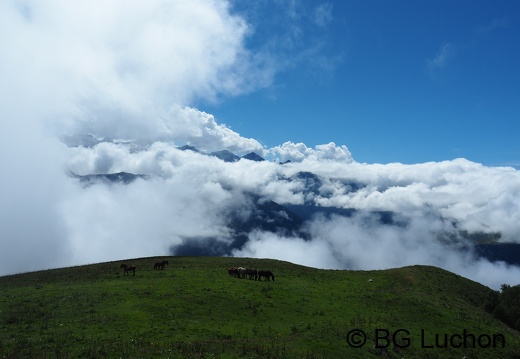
(193, 309)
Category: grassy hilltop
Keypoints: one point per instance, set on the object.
(193, 309)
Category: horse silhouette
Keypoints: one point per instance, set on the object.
(241, 272)
(251, 273)
(160, 265)
(127, 268)
(267, 274)
(233, 272)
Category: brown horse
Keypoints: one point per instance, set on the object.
(127, 268)
(160, 265)
(267, 274)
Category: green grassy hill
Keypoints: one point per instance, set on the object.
(193, 309)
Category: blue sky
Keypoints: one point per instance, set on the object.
(401, 81)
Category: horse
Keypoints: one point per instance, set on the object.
(252, 273)
(128, 269)
(246, 273)
(160, 265)
(233, 271)
(266, 274)
(242, 272)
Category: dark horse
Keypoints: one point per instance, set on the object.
(251, 273)
(242, 272)
(246, 273)
(233, 272)
(160, 265)
(267, 274)
(128, 269)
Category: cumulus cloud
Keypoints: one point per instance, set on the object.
(111, 62)
(196, 128)
(298, 152)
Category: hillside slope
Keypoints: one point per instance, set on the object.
(194, 309)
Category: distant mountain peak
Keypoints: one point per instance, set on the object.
(188, 148)
(225, 155)
(252, 156)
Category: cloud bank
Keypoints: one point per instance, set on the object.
(190, 196)
(127, 74)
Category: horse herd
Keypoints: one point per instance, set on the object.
(250, 273)
(127, 269)
(239, 272)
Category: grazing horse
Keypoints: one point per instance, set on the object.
(246, 273)
(233, 271)
(242, 272)
(160, 265)
(128, 269)
(266, 274)
(252, 273)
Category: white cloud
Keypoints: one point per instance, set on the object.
(298, 152)
(144, 218)
(361, 243)
(97, 65)
(317, 254)
(199, 129)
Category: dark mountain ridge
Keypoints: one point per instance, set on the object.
(119, 177)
